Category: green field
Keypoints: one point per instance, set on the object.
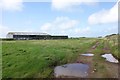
(37, 58)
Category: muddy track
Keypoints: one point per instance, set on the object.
(98, 66)
(99, 69)
(94, 46)
(88, 60)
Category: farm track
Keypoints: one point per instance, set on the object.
(104, 69)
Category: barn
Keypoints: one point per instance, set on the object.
(33, 36)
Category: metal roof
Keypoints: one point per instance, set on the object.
(27, 33)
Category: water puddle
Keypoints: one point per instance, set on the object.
(87, 54)
(110, 58)
(71, 70)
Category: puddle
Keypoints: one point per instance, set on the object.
(110, 58)
(71, 70)
(87, 54)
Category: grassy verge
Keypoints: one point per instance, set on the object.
(113, 45)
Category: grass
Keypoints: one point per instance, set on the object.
(37, 58)
(112, 42)
(23, 59)
(0, 59)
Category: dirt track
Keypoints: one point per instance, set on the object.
(99, 68)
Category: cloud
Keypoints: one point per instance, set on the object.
(59, 24)
(104, 16)
(69, 4)
(46, 26)
(85, 31)
(3, 31)
(82, 30)
(79, 32)
(11, 5)
(65, 26)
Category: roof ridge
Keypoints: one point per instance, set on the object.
(27, 33)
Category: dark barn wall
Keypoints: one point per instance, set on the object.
(59, 37)
(37, 37)
(30, 37)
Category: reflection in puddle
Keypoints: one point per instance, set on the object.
(110, 58)
(87, 54)
(71, 70)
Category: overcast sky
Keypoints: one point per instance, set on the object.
(75, 18)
